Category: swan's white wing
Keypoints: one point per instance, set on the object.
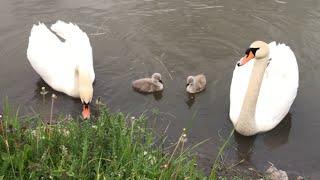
(50, 58)
(78, 45)
(279, 87)
(239, 84)
(55, 61)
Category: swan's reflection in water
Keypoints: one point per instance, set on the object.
(191, 98)
(43, 103)
(279, 135)
(272, 139)
(157, 95)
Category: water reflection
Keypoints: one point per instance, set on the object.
(157, 95)
(244, 146)
(279, 135)
(272, 139)
(43, 103)
(191, 99)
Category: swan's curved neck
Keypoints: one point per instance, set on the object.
(246, 124)
(82, 82)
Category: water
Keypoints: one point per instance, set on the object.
(134, 38)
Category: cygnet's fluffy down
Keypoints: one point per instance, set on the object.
(148, 85)
(196, 83)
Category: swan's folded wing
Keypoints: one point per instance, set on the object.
(79, 44)
(279, 87)
(202, 81)
(49, 57)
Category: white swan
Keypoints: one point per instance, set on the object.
(66, 66)
(263, 88)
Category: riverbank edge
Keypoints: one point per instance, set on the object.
(108, 146)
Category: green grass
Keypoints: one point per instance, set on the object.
(217, 164)
(110, 146)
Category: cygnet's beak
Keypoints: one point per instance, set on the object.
(161, 81)
(187, 84)
(85, 111)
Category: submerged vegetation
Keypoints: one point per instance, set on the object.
(110, 146)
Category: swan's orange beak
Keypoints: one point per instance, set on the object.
(85, 111)
(246, 59)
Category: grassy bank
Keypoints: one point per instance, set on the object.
(111, 146)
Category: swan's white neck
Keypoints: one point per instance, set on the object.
(246, 124)
(85, 85)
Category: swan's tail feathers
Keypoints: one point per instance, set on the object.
(39, 30)
(68, 31)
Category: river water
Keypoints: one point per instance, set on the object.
(134, 38)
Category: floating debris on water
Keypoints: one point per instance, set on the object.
(276, 174)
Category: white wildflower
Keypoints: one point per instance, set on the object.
(66, 132)
(64, 150)
(153, 160)
(43, 91)
(184, 137)
(33, 132)
(54, 96)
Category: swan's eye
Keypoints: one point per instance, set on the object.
(254, 50)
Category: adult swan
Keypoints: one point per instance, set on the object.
(264, 86)
(65, 66)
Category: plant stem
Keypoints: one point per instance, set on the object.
(213, 174)
(51, 110)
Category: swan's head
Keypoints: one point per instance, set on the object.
(86, 93)
(258, 50)
(157, 78)
(190, 81)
